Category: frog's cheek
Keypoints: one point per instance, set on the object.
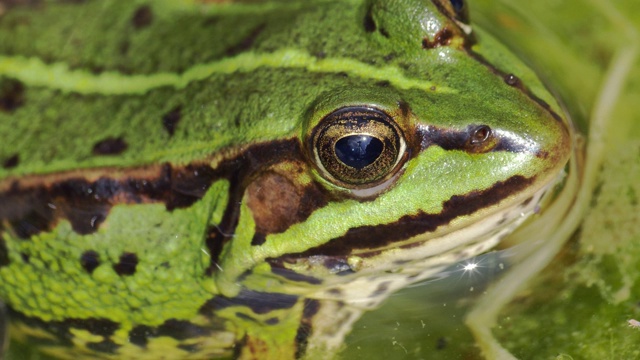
(281, 196)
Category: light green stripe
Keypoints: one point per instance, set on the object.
(32, 71)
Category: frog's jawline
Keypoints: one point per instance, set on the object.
(378, 236)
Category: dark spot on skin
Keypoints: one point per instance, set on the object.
(389, 57)
(272, 321)
(310, 309)
(383, 83)
(176, 329)
(25, 257)
(142, 17)
(294, 276)
(442, 38)
(245, 317)
(335, 292)
(258, 302)
(246, 43)
(320, 55)
(369, 23)
(182, 330)
(192, 348)
(381, 289)
(404, 108)
(258, 239)
(90, 260)
(378, 236)
(441, 343)
(512, 80)
(127, 264)
(4, 253)
(105, 346)
(110, 146)
(11, 95)
(140, 335)
(384, 32)
(171, 120)
(11, 162)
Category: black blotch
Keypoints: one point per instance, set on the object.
(90, 260)
(383, 83)
(101, 327)
(258, 302)
(171, 120)
(142, 17)
(110, 146)
(277, 269)
(387, 58)
(258, 239)
(384, 32)
(310, 309)
(127, 264)
(140, 334)
(25, 257)
(105, 346)
(11, 162)
(181, 330)
(245, 317)
(11, 95)
(369, 23)
(272, 321)
(441, 343)
(381, 289)
(512, 80)
(4, 253)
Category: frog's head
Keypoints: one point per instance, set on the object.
(443, 151)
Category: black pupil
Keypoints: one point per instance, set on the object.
(457, 5)
(358, 151)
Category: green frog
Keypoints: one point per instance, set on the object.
(244, 179)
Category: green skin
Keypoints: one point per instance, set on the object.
(161, 191)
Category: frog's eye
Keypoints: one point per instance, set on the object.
(357, 146)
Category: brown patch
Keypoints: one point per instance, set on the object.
(11, 95)
(142, 17)
(379, 236)
(442, 38)
(110, 146)
(11, 162)
(171, 119)
(277, 202)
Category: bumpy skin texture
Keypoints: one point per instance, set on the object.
(159, 194)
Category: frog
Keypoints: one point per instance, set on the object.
(244, 179)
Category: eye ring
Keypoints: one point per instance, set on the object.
(357, 146)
